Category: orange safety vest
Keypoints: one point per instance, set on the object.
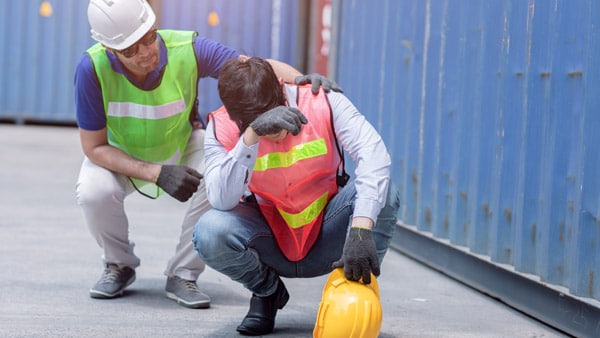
(293, 179)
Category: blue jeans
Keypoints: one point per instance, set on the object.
(239, 243)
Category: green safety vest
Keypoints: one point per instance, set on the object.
(151, 125)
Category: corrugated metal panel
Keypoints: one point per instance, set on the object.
(488, 109)
(265, 28)
(41, 43)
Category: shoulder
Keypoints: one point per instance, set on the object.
(84, 70)
(211, 56)
(207, 46)
(176, 37)
(340, 102)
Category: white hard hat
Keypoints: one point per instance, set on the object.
(118, 24)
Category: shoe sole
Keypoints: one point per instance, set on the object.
(97, 294)
(189, 305)
(252, 331)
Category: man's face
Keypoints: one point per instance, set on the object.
(143, 56)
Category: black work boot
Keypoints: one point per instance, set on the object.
(261, 315)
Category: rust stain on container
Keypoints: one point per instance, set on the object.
(508, 215)
(561, 232)
(408, 44)
(486, 211)
(596, 219)
(415, 180)
(570, 206)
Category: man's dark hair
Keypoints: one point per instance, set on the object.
(249, 88)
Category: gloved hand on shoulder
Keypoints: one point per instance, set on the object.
(359, 257)
(318, 80)
(179, 181)
(275, 120)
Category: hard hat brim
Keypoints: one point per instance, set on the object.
(134, 37)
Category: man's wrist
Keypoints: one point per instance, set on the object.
(250, 137)
(157, 174)
(362, 223)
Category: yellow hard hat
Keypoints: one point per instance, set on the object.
(348, 309)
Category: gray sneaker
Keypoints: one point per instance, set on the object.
(113, 281)
(186, 293)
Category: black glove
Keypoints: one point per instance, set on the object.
(179, 181)
(275, 120)
(359, 257)
(318, 80)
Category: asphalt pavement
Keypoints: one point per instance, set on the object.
(48, 262)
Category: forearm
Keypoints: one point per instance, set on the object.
(284, 71)
(227, 173)
(95, 146)
(372, 180)
(117, 161)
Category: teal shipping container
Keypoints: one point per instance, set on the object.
(42, 40)
(490, 112)
(41, 43)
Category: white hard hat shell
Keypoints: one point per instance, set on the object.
(118, 24)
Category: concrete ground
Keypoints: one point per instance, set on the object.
(49, 261)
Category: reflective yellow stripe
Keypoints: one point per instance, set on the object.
(307, 215)
(285, 159)
(141, 111)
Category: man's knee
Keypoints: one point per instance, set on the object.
(208, 236)
(92, 194)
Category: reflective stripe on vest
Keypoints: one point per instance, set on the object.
(297, 153)
(294, 178)
(152, 125)
(140, 111)
(307, 215)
